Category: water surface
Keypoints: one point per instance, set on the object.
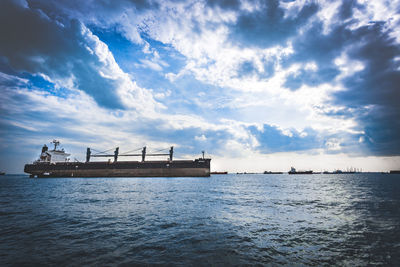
(234, 219)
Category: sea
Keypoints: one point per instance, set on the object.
(224, 220)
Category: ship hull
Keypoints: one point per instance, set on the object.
(180, 168)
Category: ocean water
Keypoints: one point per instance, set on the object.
(233, 219)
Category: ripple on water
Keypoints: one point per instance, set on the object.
(224, 220)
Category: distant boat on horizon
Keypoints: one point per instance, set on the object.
(293, 171)
(2, 173)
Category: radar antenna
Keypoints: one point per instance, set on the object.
(56, 143)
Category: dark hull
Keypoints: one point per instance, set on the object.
(177, 168)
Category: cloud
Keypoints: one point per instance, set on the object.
(371, 92)
(231, 77)
(68, 54)
(80, 122)
(267, 26)
(200, 138)
(359, 58)
(272, 139)
(125, 16)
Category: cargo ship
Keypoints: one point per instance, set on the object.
(55, 163)
(294, 171)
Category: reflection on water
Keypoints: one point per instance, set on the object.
(225, 219)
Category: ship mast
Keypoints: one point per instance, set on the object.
(56, 143)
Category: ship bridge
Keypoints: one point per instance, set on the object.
(53, 156)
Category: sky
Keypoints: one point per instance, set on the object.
(257, 85)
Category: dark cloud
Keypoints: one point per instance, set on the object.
(346, 8)
(272, 139)
(46, 37)
(225, 4)
(315, 45)
(310, 78)
(31, 42)
(141, 4)
(268, 26)
(92, 9)
(248, 68)
(377, 87)
(106, 14)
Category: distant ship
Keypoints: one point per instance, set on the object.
(2, 173)
(293, 171)
(55, 163)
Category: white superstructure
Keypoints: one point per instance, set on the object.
(53, 156)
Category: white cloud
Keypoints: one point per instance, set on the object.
(130, 93)
(200, 138)
(79, 115)
(328, 14)
(201, 34)
(379, 10)
(347, 66)
(333, 144)
(151, 64)
(214, 60)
